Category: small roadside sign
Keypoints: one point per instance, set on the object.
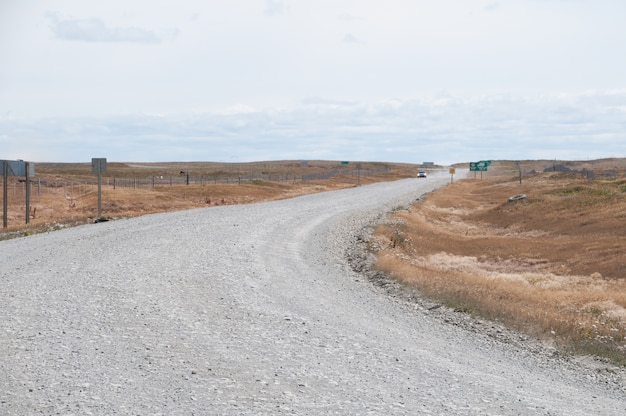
(98, 165)
(18, 167)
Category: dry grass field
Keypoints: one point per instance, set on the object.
(552, 264)
(69, 196)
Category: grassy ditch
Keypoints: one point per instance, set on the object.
(552, 265)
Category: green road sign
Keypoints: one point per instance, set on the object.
(479, 166)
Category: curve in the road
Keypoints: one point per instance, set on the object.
(250, 309)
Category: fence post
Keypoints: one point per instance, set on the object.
(5, 183)
(27, 194)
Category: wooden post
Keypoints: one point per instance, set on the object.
(99, 190)
(5, 194)
(27, 193)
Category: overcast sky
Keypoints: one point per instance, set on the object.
(247, 80)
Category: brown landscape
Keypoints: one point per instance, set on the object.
(65, 194)
(550, 262)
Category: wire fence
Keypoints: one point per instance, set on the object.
(85, 185)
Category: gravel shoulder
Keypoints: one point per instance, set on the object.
(258, 309)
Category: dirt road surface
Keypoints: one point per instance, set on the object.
(252, 309)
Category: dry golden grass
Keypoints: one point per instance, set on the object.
(65, 205)
(552, 265)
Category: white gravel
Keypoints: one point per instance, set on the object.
(254, 309)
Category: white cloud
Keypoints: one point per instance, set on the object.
(444, 129)
(492, 6)
(274, 7)
(350, 38)
(96, 30)
(347, 17)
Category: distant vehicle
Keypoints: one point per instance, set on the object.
(421, 174)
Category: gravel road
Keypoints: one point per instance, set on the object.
(254, 309)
